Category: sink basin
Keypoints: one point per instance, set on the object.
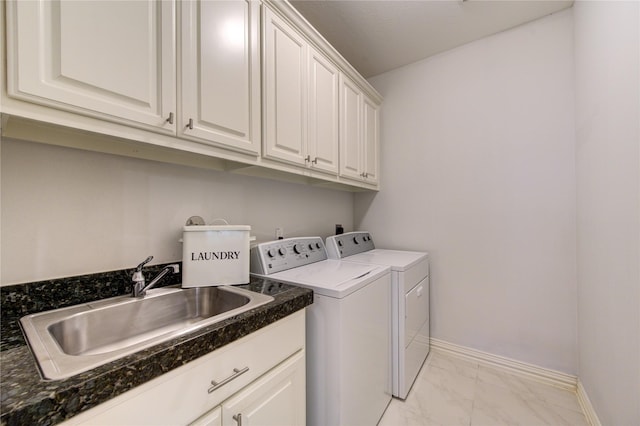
(71, 340)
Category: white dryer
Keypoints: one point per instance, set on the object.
(409, 301)
(347, 329)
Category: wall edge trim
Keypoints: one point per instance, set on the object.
(540, 374)
(587, 407)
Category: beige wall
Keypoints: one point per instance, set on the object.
(67, 212)
(478, 168)
(607, 55)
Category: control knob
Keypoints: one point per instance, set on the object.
(296, 249)
(281, 251)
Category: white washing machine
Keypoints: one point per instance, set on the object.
(348, 333)
(409, 301)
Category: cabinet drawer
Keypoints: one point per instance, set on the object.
(182, 395)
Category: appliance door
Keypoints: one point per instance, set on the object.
(417, 311)
(416, 339)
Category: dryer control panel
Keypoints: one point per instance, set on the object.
(345, 245)
(280, 255)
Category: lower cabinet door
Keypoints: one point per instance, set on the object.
(212, 418)
(277, 398)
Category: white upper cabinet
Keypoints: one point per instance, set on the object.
(220, 78)
(371, 139)
(323, 129)
(242, 85)
(359, 133)
(111, 59)
(301, 99)
(284, 68)
(350, 129)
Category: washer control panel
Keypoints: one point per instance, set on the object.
(280, 255)
(345, 245)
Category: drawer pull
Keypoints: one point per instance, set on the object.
(238, 418)
(236, 373)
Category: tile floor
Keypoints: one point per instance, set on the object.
(451, 391)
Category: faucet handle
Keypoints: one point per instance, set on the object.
(144, 262)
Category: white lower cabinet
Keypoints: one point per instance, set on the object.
(258, 379)
(276, 399)
(212, 418)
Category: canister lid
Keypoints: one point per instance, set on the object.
(202, 228)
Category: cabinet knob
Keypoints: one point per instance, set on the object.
(190, 124)
(170, 119)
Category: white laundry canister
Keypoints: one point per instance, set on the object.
(214, 255)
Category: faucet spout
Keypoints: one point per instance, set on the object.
(139, 285)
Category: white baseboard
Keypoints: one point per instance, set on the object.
(541, 374)
(587, 408)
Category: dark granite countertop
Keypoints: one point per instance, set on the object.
(27, 399)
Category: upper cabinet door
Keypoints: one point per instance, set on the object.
(220, 80)
(371, 138)
(110, 59)
(350, 129)
(323, 129)
(284, 90)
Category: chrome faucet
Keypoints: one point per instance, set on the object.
(139, 285)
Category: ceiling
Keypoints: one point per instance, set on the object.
(380, 35)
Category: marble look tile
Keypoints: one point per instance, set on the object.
(496, 405)
(438, 397)
(448, 385)
(398, 414)
(529, 387)
(458, 365)
(445, 394)
(433, 410)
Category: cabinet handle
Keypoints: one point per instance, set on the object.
(315, 160)
(236, 374)
(170, 119)
(190, 124)
(307, 158)
(238, 418)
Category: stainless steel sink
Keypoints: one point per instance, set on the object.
(71, 340)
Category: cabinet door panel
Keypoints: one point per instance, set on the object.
(350, 129)
(370, 140)
(323, 131)
(277, 398)
(284, 69)
(212, 418)
(72, 55)
(221, 72)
